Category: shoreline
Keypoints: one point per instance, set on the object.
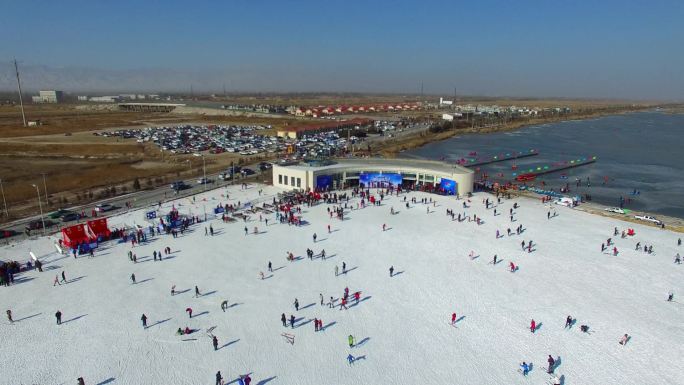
(392, 148)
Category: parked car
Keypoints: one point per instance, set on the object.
(648, 218)
(247, 171)
(102, 207)
(6, 233)
(59, 213)
(263, 166)
(616, 210)
(204, 181)
(70, 217)
(38, 224)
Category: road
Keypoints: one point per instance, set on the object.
(138, 199)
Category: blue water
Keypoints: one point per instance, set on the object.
(641, 151)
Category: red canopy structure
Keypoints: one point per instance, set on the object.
(97, 228)
(74, 235)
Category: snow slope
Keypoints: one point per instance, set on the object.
(402, 321)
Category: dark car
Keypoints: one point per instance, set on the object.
(247, 171)
(180, 185)
(38, 224)
(263, 166)
(70, 217)
(59, 213)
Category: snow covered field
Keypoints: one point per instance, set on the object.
(401, 325)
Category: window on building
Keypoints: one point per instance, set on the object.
(299, 182)
(280, 178)
(292, 181)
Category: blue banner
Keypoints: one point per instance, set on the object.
(448, 185)
(380, 180)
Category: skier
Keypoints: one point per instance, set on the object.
(357, 296)
(211, 230)
(292, 321)
(214, 341)
(384, 227)
(58, 315)
(350, 358)
(453, 318)
(197, 292)
(351, 341)
(678, 259)
(524, 368)
(314, 237)
(270, 267)
(670, 297)
(189, 311)
(533, 326)
(283, 320)
(551, 362)
(513, 267)
(219, 378)
(568, 322)
(63, 277)
(624, 339)
(9, 316)
(173, 289)
(224, 305)
(391, 270)
(296, 304)
(494, 260)
(133, 277)
(343, 303)
(144, 320)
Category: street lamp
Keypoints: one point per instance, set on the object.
(204, 171)
(41, 207)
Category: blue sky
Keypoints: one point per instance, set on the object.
(627, 49)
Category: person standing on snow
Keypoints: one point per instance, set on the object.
(337, 270)
(63, 277)
(144, 321)
(391, 270)
(292, 321)
(296, 304)
(533, 326)
(189, 311)
(568, 322)
(133, 277)
(551, 362)
(224, 305)
(350, 358)
(197, 292)
(321, 295)
(219, 378)
(314, 237)
(453, 318)
(9, 316)
(283, 319)
(524, 368)
(270, 267)
(214, 341)
(58, 315)
(351, 341)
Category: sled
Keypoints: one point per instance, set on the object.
(289, 337)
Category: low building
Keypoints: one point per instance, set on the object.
(452, 116)
(296, 132)
(374, 173)
(104, 99)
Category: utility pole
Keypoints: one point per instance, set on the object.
(21, 98)
(204, 171)
(3, 199)
(421, 90)
(45, 188)
(224, 90)
(41, 207)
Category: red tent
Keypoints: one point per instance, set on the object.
(98, 228)
(74, 235)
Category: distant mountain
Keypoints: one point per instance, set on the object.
(40, 77)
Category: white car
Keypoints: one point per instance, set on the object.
(616, 210)
(648, 218)
(104, 207)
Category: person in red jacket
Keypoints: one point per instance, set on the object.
(189, 311)
(533, 326)
(453, 318)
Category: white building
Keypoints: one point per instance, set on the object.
(50, 96)
(443, 102)
(452, 179)
(452, 116)
(104, 99)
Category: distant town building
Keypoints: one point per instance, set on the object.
(451, 117)
(443, 102)
(50, 96)
(82, 98)
(104, 99)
